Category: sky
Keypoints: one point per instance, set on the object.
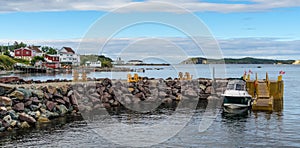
(242, 28)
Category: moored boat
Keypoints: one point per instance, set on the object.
(236, 99)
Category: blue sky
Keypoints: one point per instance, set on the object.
(269, 27)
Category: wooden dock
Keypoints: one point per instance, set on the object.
(268, 94)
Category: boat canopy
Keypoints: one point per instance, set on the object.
(236, 85)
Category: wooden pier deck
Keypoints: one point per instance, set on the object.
(268, 94)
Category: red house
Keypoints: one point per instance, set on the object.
(24, 53)
(52, 61)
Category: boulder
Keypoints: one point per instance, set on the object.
(13, 115)
(17, 94)
(38, 93)
(61, 101)
(34, 114)
(24, 125)
(28, 103)
(62, 109)
(19, 107)
(74, 100)
(27, 118)
(202, 87)
(66, 99)
(7, 119)
(52, 90)
(36, 100)
(34, 107)
(5, 101)
(190, 93)
(2, 91)
(208, 90)
(70, 93)
(43, 119)
(2, 108)
(50, 105)
(5, 124)
(13, 123)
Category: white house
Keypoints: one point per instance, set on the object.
(67, 56)
(37, 50)
(93, 64)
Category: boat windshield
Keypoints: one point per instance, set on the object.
(235, 87)
(236, 100)
(230, 86)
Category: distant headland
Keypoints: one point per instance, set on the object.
(246, 60)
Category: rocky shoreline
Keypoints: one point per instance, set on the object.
(23, 106)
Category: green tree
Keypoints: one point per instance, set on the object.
(105, 61)
(19, 45)
(106, 64)
(49, 50)
(36, 59)
(7, 53)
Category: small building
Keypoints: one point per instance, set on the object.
(134, 62)
(119, 61)
(93, 64)
(52, 61)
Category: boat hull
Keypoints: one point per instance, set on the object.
(235, 108)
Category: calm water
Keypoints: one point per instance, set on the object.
(259, 129)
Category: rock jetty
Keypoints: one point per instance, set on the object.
(23, 106)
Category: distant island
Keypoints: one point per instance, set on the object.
(246, 60)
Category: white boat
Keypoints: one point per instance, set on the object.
(236, 99)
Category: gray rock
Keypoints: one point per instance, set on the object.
(66, 99)
(24, 125)
(208, 90)
(74, 100)
(52, 90)
(34, 107)
(38, 93)
(50, 105)
(7, 119)
(202, 86)
(19, 107)
(190, 93)
(17, 94)
(28, 103)
(62, 109)
(27, 118)
(61, 101)
(70, 93)
(5, 101)
(13, 114)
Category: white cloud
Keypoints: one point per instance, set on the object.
(149, 5)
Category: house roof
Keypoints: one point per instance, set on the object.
(23, 48)
(35, 48)
(68, 49)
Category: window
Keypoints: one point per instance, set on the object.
(64, 58)
(230, 87)
(18, 52)
(27, 52)
(239, 87)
